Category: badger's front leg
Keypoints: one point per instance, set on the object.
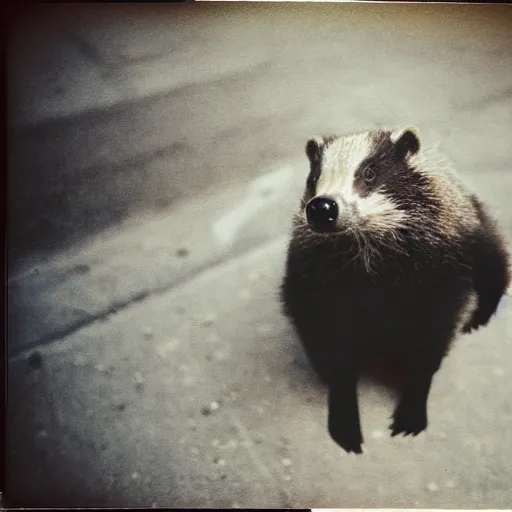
(410, 416)
(344, 424)
(338, 367)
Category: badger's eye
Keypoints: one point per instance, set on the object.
(369, 174)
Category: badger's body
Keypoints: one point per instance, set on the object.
(390, 254)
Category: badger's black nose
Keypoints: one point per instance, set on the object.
(322, 213)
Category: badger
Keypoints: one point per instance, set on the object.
(391, 255)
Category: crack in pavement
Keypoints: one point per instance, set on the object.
(235, 254)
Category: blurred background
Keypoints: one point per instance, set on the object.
(156, 156)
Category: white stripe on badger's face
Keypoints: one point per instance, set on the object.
(375, 203)
(340, 161)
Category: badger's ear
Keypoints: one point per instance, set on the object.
(406, 141)
(313, 148)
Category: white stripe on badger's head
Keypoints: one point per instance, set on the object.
(340, 160)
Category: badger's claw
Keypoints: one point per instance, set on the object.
(472, 325)
(409, 418)
(349, 437)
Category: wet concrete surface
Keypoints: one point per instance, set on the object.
(157, 158)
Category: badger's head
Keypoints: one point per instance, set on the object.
(364, 183)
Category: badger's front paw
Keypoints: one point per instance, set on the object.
(467, 328)
(347, 435)
(472, 325)
(410, 417)
(480, 318)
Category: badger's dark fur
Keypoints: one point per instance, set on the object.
(390, 254)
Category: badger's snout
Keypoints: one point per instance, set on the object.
(322, 213)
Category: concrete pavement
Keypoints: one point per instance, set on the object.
(151, 198)
(120, 115)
